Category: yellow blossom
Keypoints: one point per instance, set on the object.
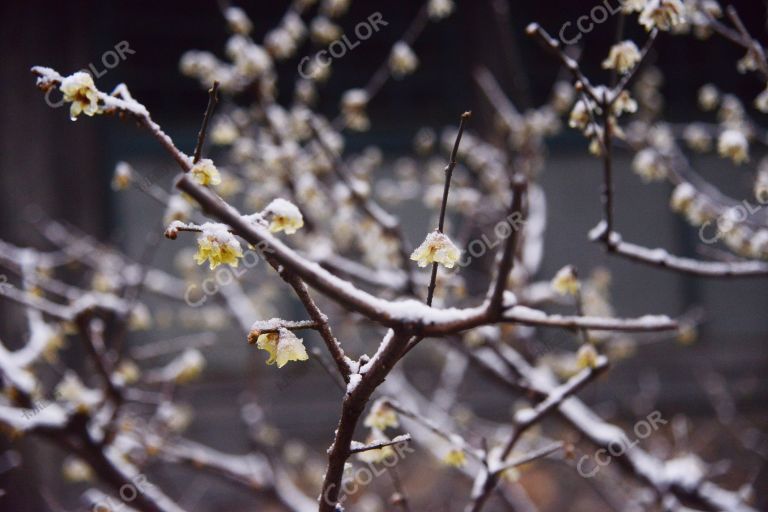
(71, 390)
(402, 60)
(285, 216)
(733, 144)
(379, 454)
(579, 117)
(122, 177)
(622, 57)
(381, 417)
(455, 458)
(566, 282)
(683, 197)
(224, 132)
(282, 346)
(353, 104)
(709, 97)
(630, 6)
(185, 368)
(587, 357)
(697, 137)
(140, 318)
(205, 173)
(439, 9)
(218, 246)
(128, 372)
(687, 334)
(237, 20)
(76, 470)
(436, 248)
(650, 165)
(761, 102)
(80, 90)
(51, 350)
(624, 103)
(662, 14)
(324, 31)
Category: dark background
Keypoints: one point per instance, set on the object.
(50, 164)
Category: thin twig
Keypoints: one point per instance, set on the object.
(212, 101)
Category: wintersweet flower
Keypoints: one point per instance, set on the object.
(586, 357)
(127, 372)
(185, 368)
(733, 144)
(436, 248)
(402, 60)
(285, 216)
(353, 104)
(79, 89)
(650, 165)
(709, 97)
(217, 245)
(683, 197)
(455, 458)
(761, 102)
(72, 391)
(335, 8)
(379, 454)
(631, 6)
(579, 117)
(282, 346)
(205, 173)
(324, 31)
(76, 470)
(439, 9)
(381, 417)
(178, 209)
(237, 20)
(687, 334)
(566, 282)
(697, 137)
(622, 57)
(224, 132)
(624, 103)
(123, 176)
(662, 14)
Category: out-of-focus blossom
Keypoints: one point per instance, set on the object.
(622, 57)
